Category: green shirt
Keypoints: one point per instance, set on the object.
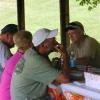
(32, 75)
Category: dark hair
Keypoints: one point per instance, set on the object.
(9, 28)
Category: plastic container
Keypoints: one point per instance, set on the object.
(72, 60)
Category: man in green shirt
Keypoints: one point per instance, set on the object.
(34, 71)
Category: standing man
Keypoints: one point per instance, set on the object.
(6, 43)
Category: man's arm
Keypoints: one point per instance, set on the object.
(84, 61)
(5, 54)
(64, 60)
(61, 79)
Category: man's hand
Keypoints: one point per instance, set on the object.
(62, 79)
(83, 61)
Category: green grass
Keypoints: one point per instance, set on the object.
(90, 19)
(45, 13)
(7, 12)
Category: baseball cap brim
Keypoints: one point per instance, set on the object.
(53, 33)
(72, 27)
(75, 25)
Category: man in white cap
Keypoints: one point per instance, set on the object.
(34, 72)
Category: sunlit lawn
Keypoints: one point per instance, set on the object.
(45, 13)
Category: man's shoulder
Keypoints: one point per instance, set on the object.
(91, 39)
(30, 52)
(2, 45)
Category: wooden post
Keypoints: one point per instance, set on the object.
(64, 20)
(21, 14)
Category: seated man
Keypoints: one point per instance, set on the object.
(86, 49)
(23, 40)
(6, 43)
(34, 72)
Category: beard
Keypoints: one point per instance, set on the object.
(50, 50)
(47, 52)
(9, 45)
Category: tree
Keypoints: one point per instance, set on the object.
(90, 3)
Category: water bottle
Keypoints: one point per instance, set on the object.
(72, 60)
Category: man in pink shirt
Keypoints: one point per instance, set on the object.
(23, 40)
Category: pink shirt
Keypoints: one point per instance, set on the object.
(7, 75)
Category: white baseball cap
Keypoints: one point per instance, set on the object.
(43, 34)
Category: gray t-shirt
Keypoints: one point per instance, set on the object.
(4, 55)
(32, 75)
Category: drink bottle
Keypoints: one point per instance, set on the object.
(72, 60)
